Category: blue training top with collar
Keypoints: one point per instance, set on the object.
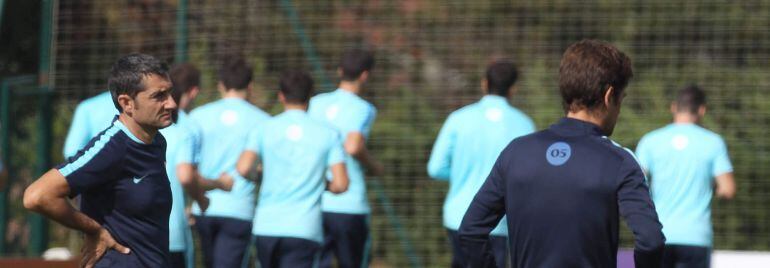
(124, 187)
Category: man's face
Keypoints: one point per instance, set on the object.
(153, 105)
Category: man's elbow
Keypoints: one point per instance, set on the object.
(338, 187)
(437, 173)
(651, 243)
(242, 170)
(33, 198)
(353, 149)
(728, 194)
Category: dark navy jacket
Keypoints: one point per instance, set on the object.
(563, 190)
(124, 187)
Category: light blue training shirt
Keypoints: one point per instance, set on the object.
(180, 145)
(91, 116)
(682, 161)
(223, 127)
(468, 146)
(296, 151)
(347, 112)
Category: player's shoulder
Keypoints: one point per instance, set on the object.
(467, 111)
(321, 97)
(256, 113)
(708, 134)
(518, 113)
(204, 109)
(615, 149)
(359, 103)
(113, 139)
(321, 126)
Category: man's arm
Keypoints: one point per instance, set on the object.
(483, 215)
(339, 183)
(636, 207)
(439, 165)
(725, 186)
(248, 166)
(355, 145)
(722, 170)
(48, 196)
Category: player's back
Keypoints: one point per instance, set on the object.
(564, 189)
(222, 128)
(295, 151)
(480, 132)
(682, 160)
(346, 112)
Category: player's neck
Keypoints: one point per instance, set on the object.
(144, 134)
(296, 107)
(686, 118)
(585, 115)
(352, 87)
(235, 94)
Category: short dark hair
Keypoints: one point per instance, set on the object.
(235, 73)
(588, 68)
(185, 76)
(355, 62)
(501, 75)
(296, 86)
(127, 75)
(690, 98)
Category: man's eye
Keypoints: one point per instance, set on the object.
(162, 95)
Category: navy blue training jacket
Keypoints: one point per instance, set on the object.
(563, 190)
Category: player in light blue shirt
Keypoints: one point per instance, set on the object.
(91, 117)
(467, 147)
(346, 216)
(181, 166)
(684, 162)
(223, 127)
(296, 151)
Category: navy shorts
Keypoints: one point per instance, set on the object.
(279, 252)
(224, 241)
(346, 237)
(499, 245)
(681, 256)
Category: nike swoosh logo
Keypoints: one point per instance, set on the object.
(138, 180)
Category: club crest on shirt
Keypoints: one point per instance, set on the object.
(294, 133)
(558, 153)
(494, 114)
(228, 118)
(332, 111)
(680, 142)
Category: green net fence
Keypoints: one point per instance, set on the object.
(430, 58)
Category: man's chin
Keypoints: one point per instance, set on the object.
(164, 124)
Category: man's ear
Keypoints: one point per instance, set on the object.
(363, 77)
(484, 86)
(702, 110)
(193, 93)
(608, 97)
(281, 98)
(126, 103)
(221, 87)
